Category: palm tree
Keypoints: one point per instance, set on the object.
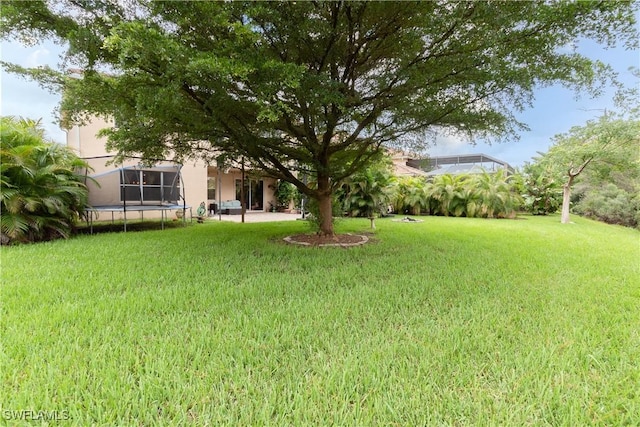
(416, 197)
(491, 195)
(450, 193)
(398, 200)
(410, 195)
(42, 195)
(368, 193)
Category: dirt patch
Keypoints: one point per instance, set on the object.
(343, 240)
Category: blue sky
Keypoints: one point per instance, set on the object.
(554, 111)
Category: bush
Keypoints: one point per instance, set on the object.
(411, 196)
(491, 195)
(543, 193)
(42, 196)
(367, 193)
(449, 194)
(610, 204)
(485, 195)
(285, 192)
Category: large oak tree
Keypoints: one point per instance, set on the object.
(318, 87)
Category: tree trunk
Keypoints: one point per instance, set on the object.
(325, 212)
(566, 190)
(243, 208)
(566, 199)
(325, 208)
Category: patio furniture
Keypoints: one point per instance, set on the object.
(231, 207)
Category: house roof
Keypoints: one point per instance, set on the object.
(456, 169)
(463, 163)
(465, 158)
(405, 170)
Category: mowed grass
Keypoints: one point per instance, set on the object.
(451, 321)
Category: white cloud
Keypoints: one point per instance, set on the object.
(449, 142)
(38, 58)
(23, 97)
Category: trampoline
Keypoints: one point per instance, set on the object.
(137, 188)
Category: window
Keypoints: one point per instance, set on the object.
(211, 188)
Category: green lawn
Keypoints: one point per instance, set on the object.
(452, 321)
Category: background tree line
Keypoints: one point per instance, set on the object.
(486, 195)
(42, 196)
(592, 170)
(599, 161)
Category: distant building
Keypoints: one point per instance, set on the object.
(459, 164)
(401, 167)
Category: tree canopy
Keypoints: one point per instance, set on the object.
(313, 86)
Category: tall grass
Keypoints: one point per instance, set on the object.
(452, 321)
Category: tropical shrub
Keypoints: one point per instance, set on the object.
(42, 196)
(410, 195)
(490, 195)
(517, 188)
(368, 193)
(284, 193)
(542, 190)
(487, 195)
(450, 192)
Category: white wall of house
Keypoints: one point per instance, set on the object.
(86, 143)
(194, 176)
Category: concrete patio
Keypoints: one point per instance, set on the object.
(257, 217)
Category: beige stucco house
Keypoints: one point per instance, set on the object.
(132, 189)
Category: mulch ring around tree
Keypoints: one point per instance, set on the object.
(341, 240)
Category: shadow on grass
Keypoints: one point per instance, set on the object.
(132, 226)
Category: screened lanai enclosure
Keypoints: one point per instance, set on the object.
(136, 188)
